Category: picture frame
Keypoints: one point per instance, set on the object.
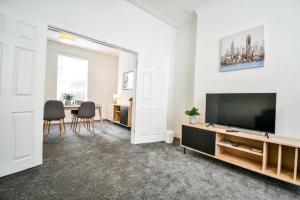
(128, 80)
(243, 50)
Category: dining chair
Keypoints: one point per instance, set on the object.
(54, 111)
(86, 114)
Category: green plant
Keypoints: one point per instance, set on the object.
(192, 112)
(67, 96)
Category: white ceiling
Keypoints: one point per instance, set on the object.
(174, 12)
(85, 44)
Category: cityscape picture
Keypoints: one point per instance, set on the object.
(243, 50)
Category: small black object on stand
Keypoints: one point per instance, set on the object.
(232, 130)
(210, 124)
(183, 150)
(267, 135)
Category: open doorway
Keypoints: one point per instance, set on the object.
(81, 69)
(23, 91)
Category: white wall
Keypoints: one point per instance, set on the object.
(281, 19)
(126, 64)
(102, 73)
(114, 21)
(183, 82)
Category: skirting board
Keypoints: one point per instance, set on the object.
(148, 139)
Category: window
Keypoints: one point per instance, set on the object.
(72, 77)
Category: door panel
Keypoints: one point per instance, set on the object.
(151, 100)
(2, 19)
(157, 121)
(23, 71)
(22, 122)
(158, 87)
(22, 52)
(147, 86)
(26, 31)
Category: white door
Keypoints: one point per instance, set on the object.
(22, 56)
(151, 100)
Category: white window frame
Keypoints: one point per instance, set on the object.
(58, 95)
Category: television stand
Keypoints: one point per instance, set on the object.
(210, 124)
(276, 157)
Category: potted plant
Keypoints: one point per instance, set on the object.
(67, 97)
(194, 115)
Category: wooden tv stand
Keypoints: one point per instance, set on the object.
(122, 115)
(275, 157)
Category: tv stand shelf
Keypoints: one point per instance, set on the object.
(275, 157)
(240, 161)
(242, 147)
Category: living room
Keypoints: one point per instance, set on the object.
(186, 52)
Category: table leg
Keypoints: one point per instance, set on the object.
(100, 115)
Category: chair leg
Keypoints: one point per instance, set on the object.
(49, 123)
(77, 121)
(72, 121)
(75, 124)
(79, 124)
(60, 129)
(93, 124)
(44, 126)
(64, 125)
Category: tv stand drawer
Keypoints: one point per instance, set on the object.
(199, 139)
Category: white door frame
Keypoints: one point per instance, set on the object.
(157, 111)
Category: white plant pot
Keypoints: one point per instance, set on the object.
(67, 102)
(194, 120)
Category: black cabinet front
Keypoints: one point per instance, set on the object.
(199, 139)
(124, 115)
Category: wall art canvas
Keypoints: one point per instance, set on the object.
(128, 81)
(243, 50)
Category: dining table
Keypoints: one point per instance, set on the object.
(76, 107)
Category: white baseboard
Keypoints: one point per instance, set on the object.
(148, 139)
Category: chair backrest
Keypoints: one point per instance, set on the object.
(54, 110)
(87, 109)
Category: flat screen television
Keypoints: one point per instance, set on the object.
(254, 111)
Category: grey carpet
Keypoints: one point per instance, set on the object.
(107, 166)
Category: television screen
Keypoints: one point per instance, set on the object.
(254, 111)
